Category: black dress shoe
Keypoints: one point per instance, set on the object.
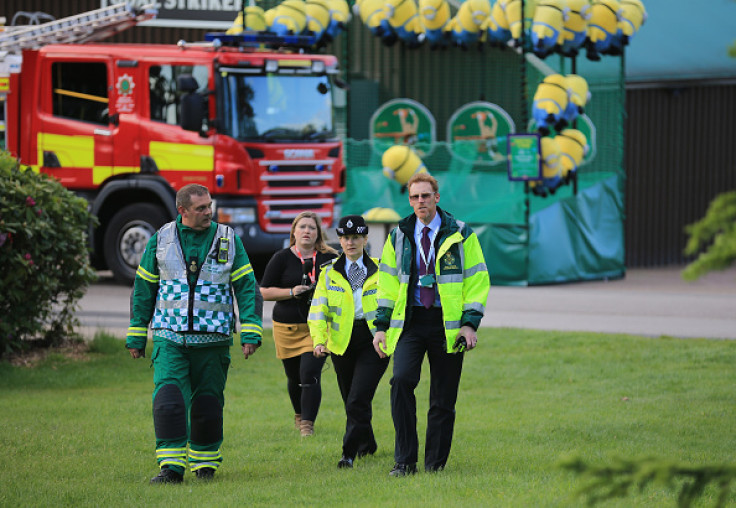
(400, 470)
(345, 462)
(434, 469)
(205, 473)
(167, 475)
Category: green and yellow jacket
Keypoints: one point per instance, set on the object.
(332, 312)
(461, 275)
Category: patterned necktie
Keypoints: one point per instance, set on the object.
(426, 295)
(356, 276)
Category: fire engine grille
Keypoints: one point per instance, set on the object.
(292, 187)
(280, 213)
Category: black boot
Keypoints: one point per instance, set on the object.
(167, 475)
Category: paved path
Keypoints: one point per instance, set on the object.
(649, 302)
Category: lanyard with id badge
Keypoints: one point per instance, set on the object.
(427, 280)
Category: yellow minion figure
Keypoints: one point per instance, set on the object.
(339, 18)
(573, 148)
(287, 18)
(575, 27)
(633, 16)
(547, 25)
(602, 27)
(579, 96)
(255, 20)
(403, 19)
(371, 14)
(550, 102)
(551, 169)
(466, 25)
(400, 162)
(435, 18)
(318, 17)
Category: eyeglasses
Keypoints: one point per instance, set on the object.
(424, 196)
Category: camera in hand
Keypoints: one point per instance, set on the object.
(461, 344)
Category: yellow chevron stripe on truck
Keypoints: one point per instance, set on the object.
(72, 151)
(182, 157)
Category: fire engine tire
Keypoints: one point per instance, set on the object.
(126, 237)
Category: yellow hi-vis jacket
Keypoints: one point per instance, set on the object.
(332, 312)
(461, 277)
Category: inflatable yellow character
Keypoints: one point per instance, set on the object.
(254, 21)
(547, 25)
(465, 27)
(579, 96)
(400, 162)
(403, 19)
(550, 102)
(633, 16)
(435, 18)
(575, 28)
(573, 148)
(287, 18)
(551, 169)
(602, 27)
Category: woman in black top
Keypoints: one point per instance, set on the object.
(288, 280)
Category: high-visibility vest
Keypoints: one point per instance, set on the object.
(461, 277)
(332, 312)
(209, 308)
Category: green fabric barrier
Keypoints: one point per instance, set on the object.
(572, 237)
(579, 238)
(505, 250)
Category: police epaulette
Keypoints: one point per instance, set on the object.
(327, 263)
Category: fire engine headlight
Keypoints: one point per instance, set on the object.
(318, 66)
(271, 66)
(236, 215)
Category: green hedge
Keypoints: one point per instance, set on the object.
(43, 255)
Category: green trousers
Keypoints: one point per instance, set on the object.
(188, 400)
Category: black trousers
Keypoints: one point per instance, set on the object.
(424, 335)
(359, 370)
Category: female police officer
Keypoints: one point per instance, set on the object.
(341, 322)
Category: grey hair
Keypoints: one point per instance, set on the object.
(184, 196)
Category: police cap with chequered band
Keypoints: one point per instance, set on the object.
(352, 225)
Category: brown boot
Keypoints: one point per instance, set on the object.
(298, 421)
(306, 428)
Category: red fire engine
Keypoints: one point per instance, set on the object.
(126, 125)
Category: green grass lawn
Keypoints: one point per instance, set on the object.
(78, 432)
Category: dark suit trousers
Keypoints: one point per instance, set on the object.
(424, 334)
(358, 372)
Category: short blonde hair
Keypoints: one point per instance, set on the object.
(321, 244)
(423, 177)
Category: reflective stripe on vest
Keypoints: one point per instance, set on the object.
(212, 306)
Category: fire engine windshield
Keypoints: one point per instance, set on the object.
(275, 107)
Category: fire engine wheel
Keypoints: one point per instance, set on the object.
(126, 237)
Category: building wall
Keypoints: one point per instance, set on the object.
(680, 153)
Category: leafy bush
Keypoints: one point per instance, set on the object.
(44, 258)
(713, 237)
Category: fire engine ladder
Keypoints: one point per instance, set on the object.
(88, 26)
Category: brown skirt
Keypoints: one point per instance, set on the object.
(291, 339)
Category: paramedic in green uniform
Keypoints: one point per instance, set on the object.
(184, 289)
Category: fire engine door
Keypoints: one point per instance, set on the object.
(74, 140)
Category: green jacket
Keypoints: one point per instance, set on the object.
(194, 244)
(462, 279)
(332, 312)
